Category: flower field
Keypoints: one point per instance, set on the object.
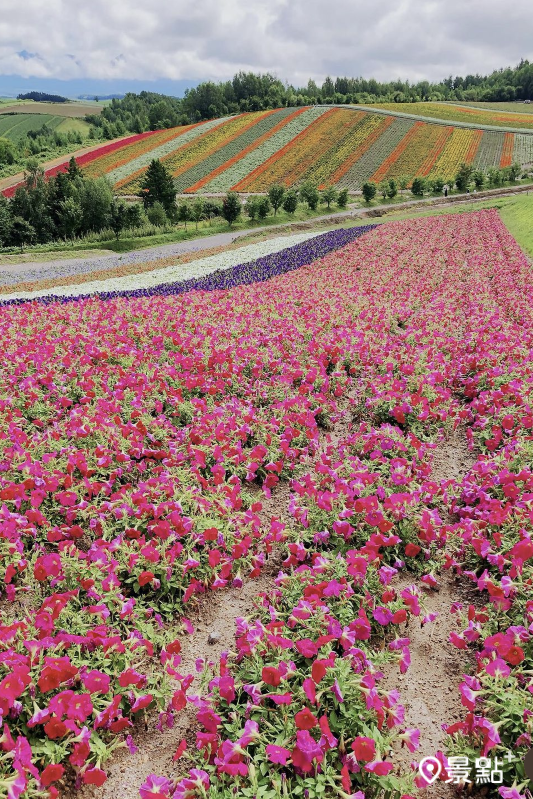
(164, 441)
(460, 113)
(339, 145)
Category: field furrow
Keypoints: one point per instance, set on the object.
(490, 150)
(461, 147)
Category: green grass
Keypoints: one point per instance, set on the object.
(74, 125)
(520, 108)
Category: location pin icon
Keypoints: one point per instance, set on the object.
(430, 769)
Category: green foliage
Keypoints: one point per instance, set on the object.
(119, 217)
(369, 191)
(478, 176)
(418, 187)
(22, 232)
(231, 207)
(437, 184)
(276, 194)
(464, 177)
(329, 195)
(263, 207)
(383, 188)
(290, 202)
(251, 207)
(342, 198)
(309, 194)
(198, 211)
(158, 186)
(70, 217)
(392, 190)
(156, 214)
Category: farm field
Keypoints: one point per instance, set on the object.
(15, 126)
(74, 109)
(337, 425)
(519, 108)
(336, 145)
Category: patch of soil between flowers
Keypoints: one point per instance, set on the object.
(430, 688)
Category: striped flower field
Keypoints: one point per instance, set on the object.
(340, 145)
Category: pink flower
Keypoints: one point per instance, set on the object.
(364, 748)
(155, 788)
(277, 754)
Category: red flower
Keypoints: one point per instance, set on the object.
(514, 655)
(55, 728)
(364, 748)
(94, 776)
(271, 676)
(305, 720)
(52, 773)
(145, 577)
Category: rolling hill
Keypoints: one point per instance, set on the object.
(341, 145)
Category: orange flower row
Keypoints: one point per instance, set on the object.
(379, 126)
(507, 152)
(391, 159)
(287, 165)
(440, 143)
(222, 168)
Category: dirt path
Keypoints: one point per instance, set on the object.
(429, 690)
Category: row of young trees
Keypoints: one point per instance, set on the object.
(467, 178)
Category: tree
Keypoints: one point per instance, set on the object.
(263, 207)
(479, 179)
(369, 191)
(118, 217)
(198, 211)
(437, 185)
(211, 209)
(22, 232)
(495, 177)
(231, 207)
(290, 202)
(403, 182)
(392, 191)
(5, 222)
(418, 187)
(463, 177)
(383, 188)
(184, 214)
(309, 194)
(275, 195)
(329, 195)
(73, 170)
(158, 186)
(514, 172)
(70, 217)
(95, 198)
(251, 208)
(134, 216)
(157, 216)
(342, 198)
(7, 153)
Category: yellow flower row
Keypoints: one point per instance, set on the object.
(461, 147)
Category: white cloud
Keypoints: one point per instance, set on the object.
(295, 39)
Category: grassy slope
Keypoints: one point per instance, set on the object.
(517, 108)
(15, 127)
(57, 109)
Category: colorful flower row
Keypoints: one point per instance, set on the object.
(166, 146)
(461, 147)
(523, 149)
(490, 150)
(372, 157)
(117, 158)
(289, 165)
(262, 128)
(238, 168)
(406, 152)
(508, 150)
(458, 113)
(195, 151)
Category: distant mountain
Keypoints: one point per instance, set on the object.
(100, 96)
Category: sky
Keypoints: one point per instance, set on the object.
(111, 46)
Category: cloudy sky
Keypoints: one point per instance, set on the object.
(107, 42)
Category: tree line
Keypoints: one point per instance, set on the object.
(248, 91)
(42, 97)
